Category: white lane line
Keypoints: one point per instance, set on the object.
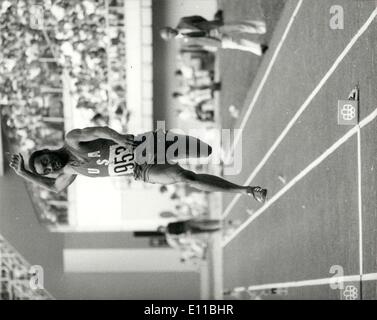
(304, 106)
(264, 79)
(302, 174)
(313, 282)
(360, 203)
(369, 277)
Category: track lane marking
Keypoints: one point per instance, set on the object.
(360, 204)
(313, 282)
(303, 108)
(303, 173)
(264, 79)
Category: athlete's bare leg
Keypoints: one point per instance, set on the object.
(211, 183)
(168, 174)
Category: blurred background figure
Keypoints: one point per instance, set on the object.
(192, 226)
(196, 30)
(190, 236)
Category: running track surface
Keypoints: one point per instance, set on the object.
(321, 218)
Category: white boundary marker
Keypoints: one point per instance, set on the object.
(313, 282)
(303, 173)
(264, 78)
(369, 276)
(304, 106)
(360, 203)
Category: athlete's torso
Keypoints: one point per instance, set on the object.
(103, 158)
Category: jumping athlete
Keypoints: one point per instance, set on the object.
(102, 152)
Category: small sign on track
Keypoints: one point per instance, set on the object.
(351, 291)
(348, 110)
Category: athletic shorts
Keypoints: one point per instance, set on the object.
(144, 162)
(153, 146)
(141, 172)
(147, 168)
(153, 141)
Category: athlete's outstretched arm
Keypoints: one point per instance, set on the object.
(74, 137)
(53, 184)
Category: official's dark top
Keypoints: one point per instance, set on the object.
(196, 26)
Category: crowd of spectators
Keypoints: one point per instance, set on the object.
(86, 39)
(195, 73)
(53, 47)
(16, 275)
(89, 42)
(195, 85)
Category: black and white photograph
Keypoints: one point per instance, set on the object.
(188, 150)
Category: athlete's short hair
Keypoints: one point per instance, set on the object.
(35, 155)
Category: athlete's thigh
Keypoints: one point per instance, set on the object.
(164, 173)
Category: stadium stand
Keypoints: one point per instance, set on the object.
(17, 277)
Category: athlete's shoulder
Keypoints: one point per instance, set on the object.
(72, 138)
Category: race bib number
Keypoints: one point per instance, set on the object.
(121, 161)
